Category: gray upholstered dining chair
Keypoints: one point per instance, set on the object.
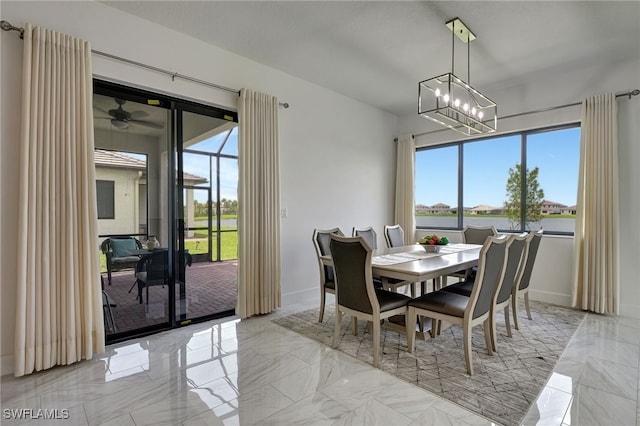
(473, 235)
(355, 293)
(523, 286)
(516, 258)
(327, 279)
(370, 237)
(394, 235)
(466, 311)
(368, 234)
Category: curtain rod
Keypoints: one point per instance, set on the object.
(6, 26)
(630, 93)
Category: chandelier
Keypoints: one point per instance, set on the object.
(452, 102)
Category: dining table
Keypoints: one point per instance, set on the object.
(414, 264)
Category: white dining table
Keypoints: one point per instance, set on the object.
(414, 264)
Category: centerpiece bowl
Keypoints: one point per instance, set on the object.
(432, 243)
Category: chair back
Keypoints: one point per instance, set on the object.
(477, 234)
(368, 234)
(516, 252)
(354, 282)
(534, 244)
(321, 244)
(394, 235)
(491, 266)
(156, 265)
(121, 244)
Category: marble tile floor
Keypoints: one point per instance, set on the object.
(255, 372)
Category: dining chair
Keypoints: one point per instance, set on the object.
(355, 293)
(392, 284)
(473, 235)
(516, 253)
(523, 286)
(327, 278)
(462, 310)
(394, 235)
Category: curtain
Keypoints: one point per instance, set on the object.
(405, 187)
(595, 257)
(59, 301)
(258, 205)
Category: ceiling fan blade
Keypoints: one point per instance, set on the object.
(119, 124)
(149, 124)
(137, 115)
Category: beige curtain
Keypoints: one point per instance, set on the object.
(405, 198)
(595, 257)
(258, 205)
(59, 300)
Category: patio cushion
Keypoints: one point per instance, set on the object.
(121, 246)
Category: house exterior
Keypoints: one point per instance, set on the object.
(552, 207)
(121, 184)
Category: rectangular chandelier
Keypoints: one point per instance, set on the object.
(452, 102)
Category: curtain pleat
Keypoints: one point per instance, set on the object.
(595, 285)
(405, 189)
(259, 273)
(59, 302)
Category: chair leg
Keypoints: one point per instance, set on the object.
(514, 307)
(354, 325)
(413, 290)
(109, 276)
(488, 336)
(376, 340)
(409, 319)
(336, 331)
(526, 305)
(322, 297)
(467, 350)
(506, 321)
(493, 330)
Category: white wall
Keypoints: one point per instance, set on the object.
(337, 155)
(551, 278)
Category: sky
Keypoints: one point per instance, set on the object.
(487, 164)
(199, 165)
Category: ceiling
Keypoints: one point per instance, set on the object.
(377, 51)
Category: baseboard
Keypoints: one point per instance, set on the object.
(628, 310)
(311, 295)
(6, 365)
(550, 297)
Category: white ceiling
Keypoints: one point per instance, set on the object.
(377, 51)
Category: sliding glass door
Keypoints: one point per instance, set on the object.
(166, 210)
(207, 183)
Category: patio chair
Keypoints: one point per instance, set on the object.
(117, 252)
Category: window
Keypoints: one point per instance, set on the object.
(105, 196)
(481, 182)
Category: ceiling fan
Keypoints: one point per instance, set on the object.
(121, 119)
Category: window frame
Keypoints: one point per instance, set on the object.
(523, 161)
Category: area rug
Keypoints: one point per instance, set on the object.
(503, 386)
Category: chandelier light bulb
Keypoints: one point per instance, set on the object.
(446, 97)
(480, 115)
(437, 93)
(465, 107)
(473, 111)
(456, 102)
